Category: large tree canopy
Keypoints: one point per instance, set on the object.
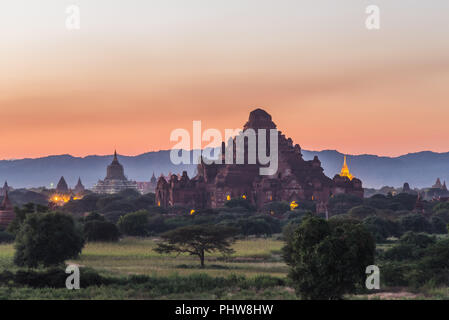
(328, 259)
(47, 239)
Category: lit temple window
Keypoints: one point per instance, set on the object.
(158, 203)
(228, 197)
(293, 205)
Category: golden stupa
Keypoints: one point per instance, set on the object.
(345, 170)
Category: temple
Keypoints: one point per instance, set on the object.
(437, 191)
(147, 186)
(115, 180)
(296, 179)
(79, 188)
(7, 214)
(62, 186)
(61, 195)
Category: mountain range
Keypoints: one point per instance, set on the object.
(419, 169)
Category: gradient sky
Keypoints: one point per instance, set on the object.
(136, 70)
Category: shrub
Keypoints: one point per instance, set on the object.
(54, 277)
(415, 222)
(96, 230)
(441, 206)
(406, 200)
(118, 205)
(6, 237)
(240, 202)
(401, 252)
(394, 274)
(418, 240)
(380, 228)
(438, 225)
(342, 203)
(134, 223)
(256, 227)
(443, 214)
(361, 212)
(156, 224)
(48, 239)
(277, 207)
(94, 216)
(410, 247)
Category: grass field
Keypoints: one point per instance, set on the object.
(136, 256)
(253, 258)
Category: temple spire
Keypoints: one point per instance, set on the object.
(5, 187)
(6, 202)
(345, 170)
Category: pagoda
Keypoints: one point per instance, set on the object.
(62, 186)
(79, 188)
(115, 180)
(62, 193)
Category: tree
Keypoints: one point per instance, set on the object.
(134, 223)
(276, 207)
(341, 203)
(381, 228)
(438, 225)
(94, 216)
(415, 222)
(198, 240)
(21, 214)
(419, 240)
(48, 239)
(96, 230)
(328, 259)
(6, 237)
(361, 212)
(240, 202)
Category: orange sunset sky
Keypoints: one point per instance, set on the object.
(136, 70)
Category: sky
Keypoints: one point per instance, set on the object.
(137, 70)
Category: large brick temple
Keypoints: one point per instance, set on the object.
(295, 180)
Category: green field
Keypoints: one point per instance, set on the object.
(136, 256)
(253, 258)
(238, 276)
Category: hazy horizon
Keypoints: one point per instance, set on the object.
(145, 152)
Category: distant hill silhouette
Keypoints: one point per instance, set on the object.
(418, 169)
